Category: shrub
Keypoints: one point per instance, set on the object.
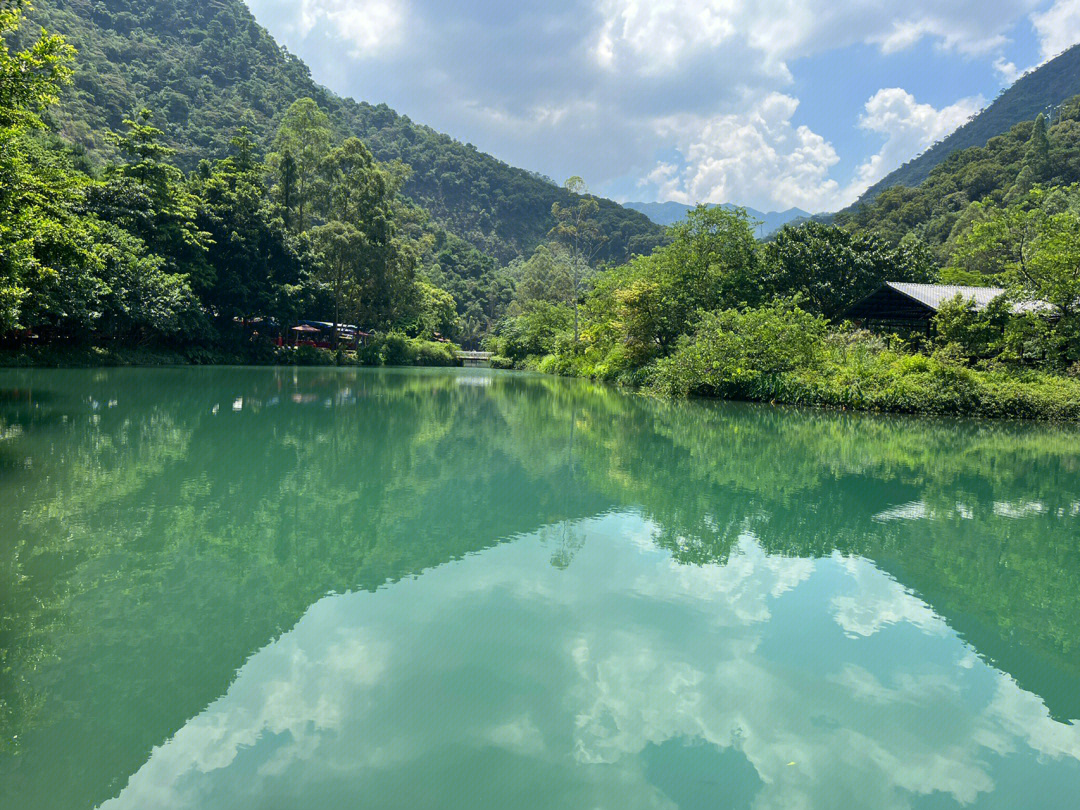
(397, 350)
(739, 354)
(434, 355)
(310, 356)
(535, 332)
(975, 335)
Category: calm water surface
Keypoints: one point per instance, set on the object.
(237, 588)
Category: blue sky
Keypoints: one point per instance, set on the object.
(765, 103)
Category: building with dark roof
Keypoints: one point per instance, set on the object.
(915, 305)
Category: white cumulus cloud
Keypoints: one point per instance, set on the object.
(908, 127)
(696, 101)
(370, 27)
(757, 156)
(1058, 27)
(761, 158)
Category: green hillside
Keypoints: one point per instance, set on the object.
(943, 207)
(206, 68)
(1049, 86)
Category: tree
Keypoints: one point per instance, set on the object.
(358, 190)
(831, 269)
(547, 275)
(1037, 157)
(579, 232)
(435, 312)
(149, 197)
(300, 147)
(1033, 247)
(30, 79)
(251, 253)
(342, 249)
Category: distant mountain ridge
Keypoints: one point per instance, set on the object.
(669, 213)
(1037, 92)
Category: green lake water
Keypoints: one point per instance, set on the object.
(260, 588)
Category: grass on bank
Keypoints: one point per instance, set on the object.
(780, 354)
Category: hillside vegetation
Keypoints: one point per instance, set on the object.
(207, 68)
(672, 213)
(1006, 168)
(1036, 92)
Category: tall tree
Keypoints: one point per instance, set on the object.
(148, 196)
(251, 252)
(832, 269)
(1037, 157)
(300, 147)
(342, 250)
(30, 80)
(358, 190)
(576, 227)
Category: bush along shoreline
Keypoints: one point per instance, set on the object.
(785, 356)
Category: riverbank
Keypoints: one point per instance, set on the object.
(851, 372)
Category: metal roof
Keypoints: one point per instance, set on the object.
(936, 295)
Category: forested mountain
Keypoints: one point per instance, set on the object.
(668, 213)
(207, 68)
(1052, 84)
(956, 192)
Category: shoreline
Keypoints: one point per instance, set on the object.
(1026, 406)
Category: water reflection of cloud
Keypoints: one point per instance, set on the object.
(580, 671)
(875, 601)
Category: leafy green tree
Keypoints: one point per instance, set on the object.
(831, 269)
(976, 335)
(149, 197)
(358, 190)
(251, 254)
(301, 145)
(342, 250)
(547, 275)
(535, 332)
(711, 263)
(30, 79)
(434, 312)
(577, 228)
(1033, 247)
(1037, 157)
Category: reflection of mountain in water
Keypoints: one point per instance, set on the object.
(153, 519)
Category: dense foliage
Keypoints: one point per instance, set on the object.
(236, 192)
(140, 253)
